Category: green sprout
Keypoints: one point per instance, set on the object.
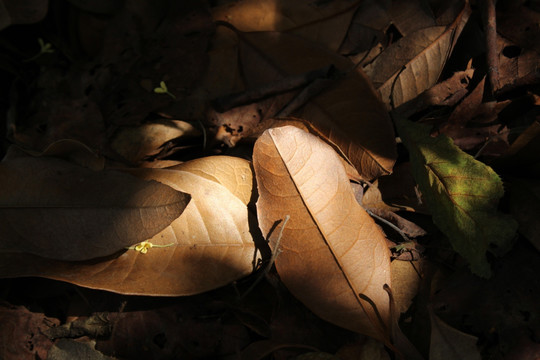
(406, 246)
(45, 48)
(162, 89)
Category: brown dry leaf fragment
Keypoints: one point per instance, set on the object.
(65, 349)
(448, 343)
(348, 113)
(331, 250)
(446, 93)
(372, 201)
(416, 60)
(517, 66)
(366, 32)
(519, 23)
(22, 333)
(410, 16)
(322, 22)
(55, 209)
(208, 246)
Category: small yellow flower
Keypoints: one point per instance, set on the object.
(143, 247)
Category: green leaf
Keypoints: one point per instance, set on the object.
(461, 193)
(159, 91)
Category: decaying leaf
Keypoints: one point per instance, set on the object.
(461, 193)
(22, 333)
(208, 246)
(331, 250)
(55, 209)
(416, 60)
(448, 343)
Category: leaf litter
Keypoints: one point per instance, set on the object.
(138, 92)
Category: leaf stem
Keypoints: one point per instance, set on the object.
(271, 261)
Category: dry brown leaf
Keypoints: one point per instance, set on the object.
(416, 60)
(366, 32)
(55, 209)
(349, 112)
(323, 22)
(410, 16)
(331, 250)
(22, 333)
(406, 277)
(232, 172)
(138, 143)
(211, 244)
(517, 67)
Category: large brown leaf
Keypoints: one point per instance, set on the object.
(208, 246)
(325, 23)
(413, 64)
(55, 209)
(332, 251)
(349, 113)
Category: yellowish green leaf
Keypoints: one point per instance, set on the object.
(462, 194)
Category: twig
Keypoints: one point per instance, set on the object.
(270, 261)
(389, 224)
(490, 27)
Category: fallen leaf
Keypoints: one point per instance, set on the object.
(406, 277)
(411, 16)
(190, 328)
(233, 173)
(348, 113)
(414, 63)
(137, 144)
(524, 206)
(325, 23)
(446, 93)
(461, 193)
(448, 343)
(65, 349)
(517, 67)
(372, 201)
(22, 333)
(28, 12)
(367, 31)
(208, 246)
(55, 209)
(331, 250)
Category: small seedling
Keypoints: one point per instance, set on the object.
(143, 247)
(45, 48)
(162, 89)
(406, 246)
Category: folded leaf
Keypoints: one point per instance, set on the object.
(331, 250)
(55, 209)
(349, 112)
(461, 193)
(208, 246)
(414, 63)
